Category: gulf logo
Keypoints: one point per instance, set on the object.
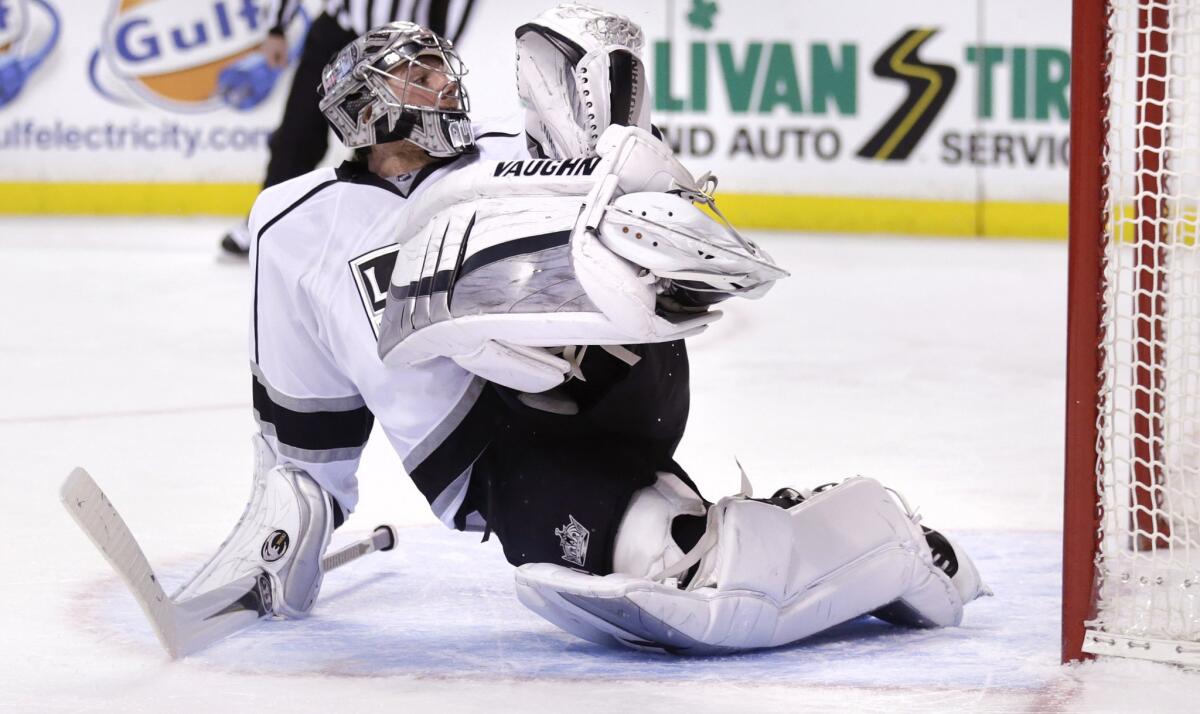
(172, 52)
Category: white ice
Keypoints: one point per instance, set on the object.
(934, 365)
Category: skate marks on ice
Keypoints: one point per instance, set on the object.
(442, 606)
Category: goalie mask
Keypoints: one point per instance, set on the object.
(579, 70)
(398, 82)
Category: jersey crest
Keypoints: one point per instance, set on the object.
(372, 274)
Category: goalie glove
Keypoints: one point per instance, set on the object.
(502, 260)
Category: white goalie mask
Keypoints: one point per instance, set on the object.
(579, 70)
(399, 81)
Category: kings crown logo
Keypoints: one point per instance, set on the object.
(29, 31)
(185, 55)
(573, 538)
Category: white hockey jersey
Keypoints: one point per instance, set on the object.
(321, 269)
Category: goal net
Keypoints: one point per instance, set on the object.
(1132, 528)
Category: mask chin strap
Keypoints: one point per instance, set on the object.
(443, 135)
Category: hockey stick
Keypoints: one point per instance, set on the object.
(190, 625)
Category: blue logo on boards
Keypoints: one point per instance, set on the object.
(29, 31)
(138, 40)
(185, 55)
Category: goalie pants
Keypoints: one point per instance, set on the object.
(553, 487)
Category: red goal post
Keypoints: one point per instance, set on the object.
(1131, 525)
(1089, 30)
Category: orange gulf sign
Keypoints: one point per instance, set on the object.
(172, 52)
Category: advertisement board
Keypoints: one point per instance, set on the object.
(929, 116)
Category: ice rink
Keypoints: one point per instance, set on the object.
(934, 365)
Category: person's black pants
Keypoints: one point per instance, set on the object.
(302, 138)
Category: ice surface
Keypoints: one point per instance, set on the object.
(933, 365)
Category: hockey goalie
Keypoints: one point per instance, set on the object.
(570, 283)
(528, 361)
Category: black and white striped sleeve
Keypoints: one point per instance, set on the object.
(448, 18)
(281, 14)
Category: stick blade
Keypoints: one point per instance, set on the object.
(218, 613)
(186, 626)
(98, 518)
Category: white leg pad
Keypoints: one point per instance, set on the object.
(283, 532)
(774, 576)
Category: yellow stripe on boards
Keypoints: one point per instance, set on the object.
(1013, 219)
(127, 198)
(819, 214)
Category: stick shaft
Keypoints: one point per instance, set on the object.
(384, 538)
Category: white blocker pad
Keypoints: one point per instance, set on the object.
(773, 577)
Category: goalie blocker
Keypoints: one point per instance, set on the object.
(502, 260)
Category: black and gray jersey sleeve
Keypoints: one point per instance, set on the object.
(310, 429)
(307, 408)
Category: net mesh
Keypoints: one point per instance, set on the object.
(1148, 465)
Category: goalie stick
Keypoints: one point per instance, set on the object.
(186, 626)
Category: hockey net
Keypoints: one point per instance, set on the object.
(1132, 527)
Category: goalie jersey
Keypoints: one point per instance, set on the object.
(321, 270)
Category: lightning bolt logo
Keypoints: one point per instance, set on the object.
(929, 86)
